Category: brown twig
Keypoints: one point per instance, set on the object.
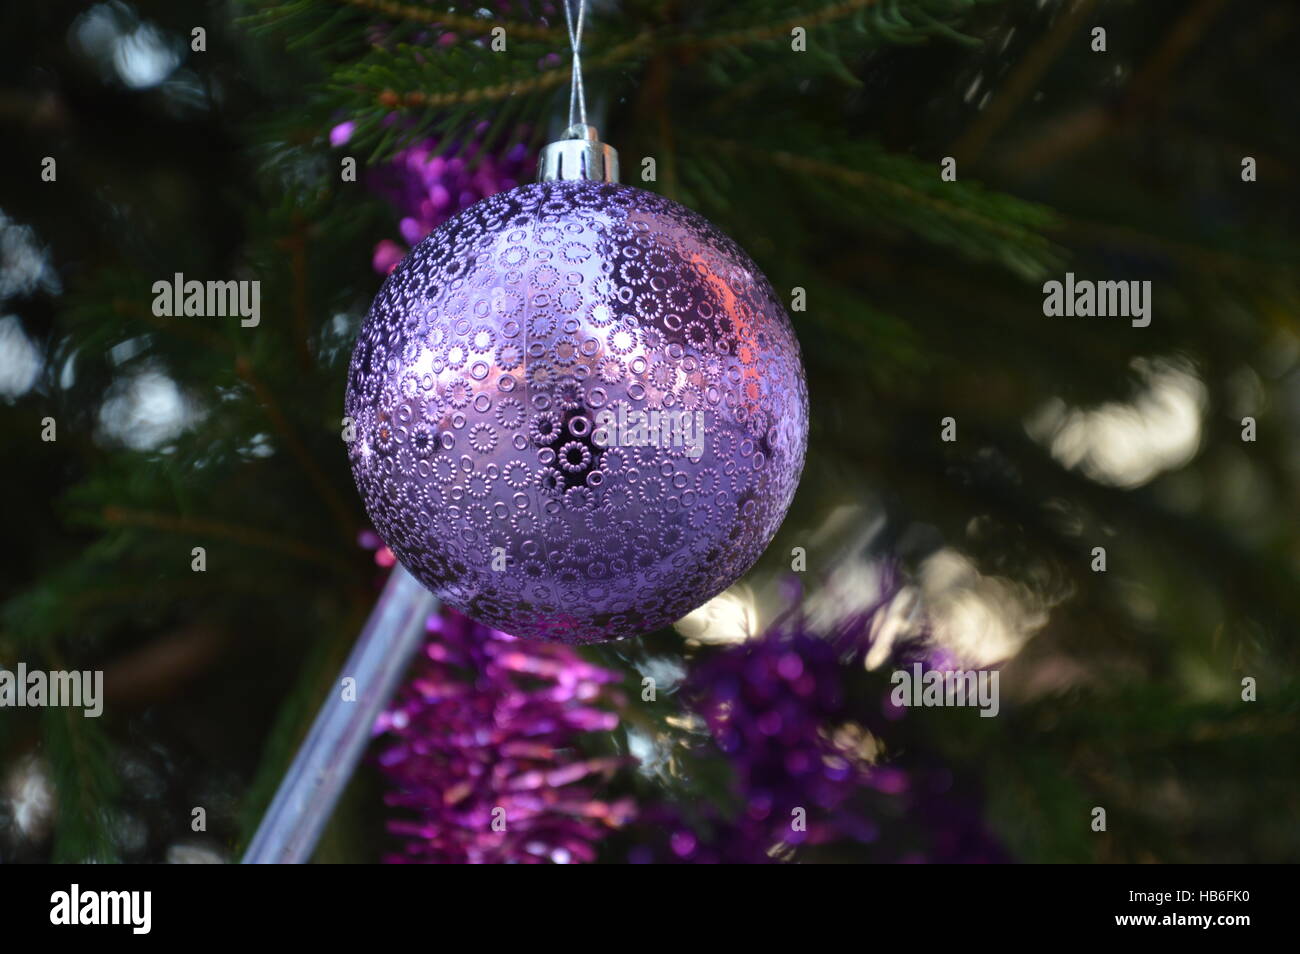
(654, 103)
(327, 492)
(391, 99)
(296, 245)
(865, 180)
(1081, 129)
(772, 31)
(246, 536)
(161, 669)
(458, 21)
(1022, 81)
(184, 329)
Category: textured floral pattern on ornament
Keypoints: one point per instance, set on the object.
(515, 388)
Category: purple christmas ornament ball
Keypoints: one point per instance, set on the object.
(579, 411)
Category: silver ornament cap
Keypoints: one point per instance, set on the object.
(579, 157)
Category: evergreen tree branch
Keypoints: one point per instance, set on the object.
(246, 536)
(496, 91)
(459, 21)
(1195, 256)
(981, 224)
(780, 30)
(1077, 132)
(328, 493)
(293, 720)
(80, 763)
(1020, 83)
(886, 20)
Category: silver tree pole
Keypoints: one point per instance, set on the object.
(329, 755)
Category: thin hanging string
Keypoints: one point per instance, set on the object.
(577, 95)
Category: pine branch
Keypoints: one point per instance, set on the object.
(293, 720)
(780, 30)
(244, 536)
(885, 21)
(440, 91)
(81, 766)
(494, 91)
(907, 194)
(459, 21)
(328, 493)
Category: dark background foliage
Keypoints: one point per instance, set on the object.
(1121, 688)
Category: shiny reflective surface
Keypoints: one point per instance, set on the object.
(478, 386)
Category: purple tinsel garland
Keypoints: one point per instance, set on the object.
(430, 181)
(804, 773)
(485, 760)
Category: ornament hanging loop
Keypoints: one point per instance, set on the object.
(577, 94)
(580, 155)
